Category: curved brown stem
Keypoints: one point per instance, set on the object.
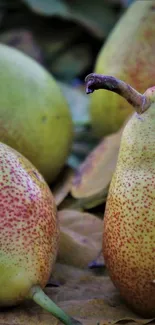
(96, 81)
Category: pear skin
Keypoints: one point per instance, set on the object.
(29, 229)
(29, 233)
(128, 54)
(35, 118)
(129, 220)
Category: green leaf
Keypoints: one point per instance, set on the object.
(48, 7)
(97, 16)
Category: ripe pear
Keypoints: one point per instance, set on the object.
(127, 54)
(34, 115)
(129, 220)
(29, 233)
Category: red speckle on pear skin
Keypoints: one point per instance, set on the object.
(28, 221)
(129, 221)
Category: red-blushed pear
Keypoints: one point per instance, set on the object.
(129, 220)
(29, 233)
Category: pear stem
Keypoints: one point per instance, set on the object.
(96, 81)
(38, 295)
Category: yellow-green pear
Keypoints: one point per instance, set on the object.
(29, 233)
(129, 220)
(127, 54)
(34, 115)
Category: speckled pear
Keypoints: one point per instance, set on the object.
(127, 54)
(129, 220)
(29, 233)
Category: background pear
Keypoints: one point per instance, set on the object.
(128, 54)
(129, 221)
(29, 233)
(34, 116)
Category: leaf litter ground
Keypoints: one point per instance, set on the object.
(86, 294)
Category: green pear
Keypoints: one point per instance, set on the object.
(34, 115)
(29, 233)
(129, 220)
(127, 54)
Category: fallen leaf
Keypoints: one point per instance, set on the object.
(70, 203)
(93, 201)
(98, 262)
(90, 298)
(63, 185)
(77, 246)
(27, 313)
(92, 179)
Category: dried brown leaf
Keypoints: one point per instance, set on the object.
(80, 238)
(63, 185)
(69, 203)
(27, 313)
(92, 299)
(94, 174)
